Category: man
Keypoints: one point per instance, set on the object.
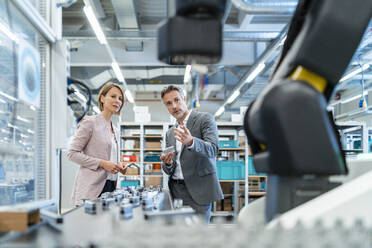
(192, 167)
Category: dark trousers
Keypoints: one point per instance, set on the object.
(109, 187)
(179, 190)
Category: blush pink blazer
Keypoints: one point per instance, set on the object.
(90, 144)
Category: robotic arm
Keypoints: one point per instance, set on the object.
(291, 134)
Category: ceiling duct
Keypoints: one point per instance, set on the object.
(259, 7)
(126, 15)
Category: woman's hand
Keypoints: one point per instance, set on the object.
(110, 166)
(123, 167)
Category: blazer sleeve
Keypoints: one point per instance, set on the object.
(207, 146)
(81, 138)
(168, 168)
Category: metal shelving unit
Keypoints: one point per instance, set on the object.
(138, 132)
(352, 132)
(233, 130)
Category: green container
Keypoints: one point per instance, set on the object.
(128, 183)
(228, 144)
(230, 170)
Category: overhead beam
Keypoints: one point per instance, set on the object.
(152, 35)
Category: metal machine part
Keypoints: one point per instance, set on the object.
(194, 34)
(291, 134)
(126, 210)
(90, 207)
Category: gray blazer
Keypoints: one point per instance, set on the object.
(198, 164)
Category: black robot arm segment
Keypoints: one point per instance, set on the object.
(194, 34)
(292, 136)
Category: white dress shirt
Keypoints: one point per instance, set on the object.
(178, 171)
(113, 158)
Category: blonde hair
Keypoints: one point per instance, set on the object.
(106, 88)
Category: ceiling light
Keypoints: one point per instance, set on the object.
(8, 33)
(30, 131)
(187, 76)
(219, 111)
(255, 72)
(354, 72)
(117, 71)
(233, 96)
(94, 24)
(23, 119)
(129, 96)
(9, 97)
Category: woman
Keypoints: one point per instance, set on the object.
(95, 148)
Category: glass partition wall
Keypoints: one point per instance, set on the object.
(23, 60)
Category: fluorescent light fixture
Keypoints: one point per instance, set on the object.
(117, 71)
(8, 33)
(233, 96)
(12, 126)
(80, 96)
(9, 97)
(129, 96)
(94, 24)
(354, 97)
(96, 109)
(219, 111)
(30, 131)
(24, 136)
(2, 101)
(32, 107)
(355, 72)
(23, 119)
(255, 72)
(187, 76)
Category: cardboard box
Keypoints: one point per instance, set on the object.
(219, 205)
(227, 204)
(153, 144)
(227, 187)
(236, 118)
(154, 181)
(132, 171)
(142, 117)
(141, 109)
(18, 220)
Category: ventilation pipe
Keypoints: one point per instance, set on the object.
(262, 7)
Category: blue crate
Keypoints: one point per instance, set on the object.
(235, 170)
(230, 170)
(228, 144)
(152, 158)
(128, 183)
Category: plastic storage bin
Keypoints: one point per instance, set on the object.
(228, 144)
(128, 183)
(230, 170)
(152, 158)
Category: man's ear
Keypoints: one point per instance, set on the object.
(184, 98)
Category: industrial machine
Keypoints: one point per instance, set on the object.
(292, 136)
